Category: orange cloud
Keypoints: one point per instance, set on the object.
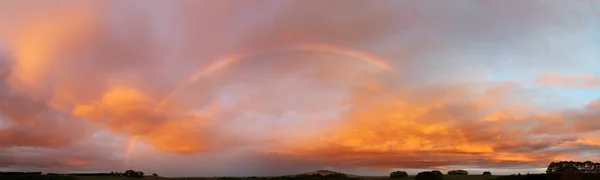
(39, 41)
(25, 121)
(79, 69)
(127, 110)
(405, 132)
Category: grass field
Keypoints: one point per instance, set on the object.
(458, 177)
(118, 178)
(44, 177)
(446, 177)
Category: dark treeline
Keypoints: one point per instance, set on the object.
(458, 172)
(552, 177)
(573, 167)
(332, 176)
(563, 170)
(70, 176)
(134, 174)
(398, 174)
(429, 175)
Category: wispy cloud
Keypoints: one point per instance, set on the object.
(569, 81)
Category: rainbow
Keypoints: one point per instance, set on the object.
(129, 148)
(318, 48)
(329, 49)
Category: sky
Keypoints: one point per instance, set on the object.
(267, 87)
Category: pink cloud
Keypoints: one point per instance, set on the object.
(78, 68)
(569, 81)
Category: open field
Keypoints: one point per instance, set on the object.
(457, 177)
(446, 177)
(44, 177)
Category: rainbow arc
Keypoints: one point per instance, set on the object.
(222, 63)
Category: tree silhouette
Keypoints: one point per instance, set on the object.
(133, 174)
(335, 176)
(572, 167)
(398, 174)
(487, 173)
(428, 175)
(458, 172)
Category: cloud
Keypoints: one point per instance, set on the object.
(98, 153)
(83, 67)
(425, 129)
(179, 134)
(412, 133)
(569, 81)
(26, 121)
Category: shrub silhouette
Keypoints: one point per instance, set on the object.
(133, 174)
(487, 173)
(398, 174)
(336, 176)
(437, 172)
(458, 172)
(429, 175)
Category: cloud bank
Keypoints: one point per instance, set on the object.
(86, 75)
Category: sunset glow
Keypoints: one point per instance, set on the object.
(193, 88)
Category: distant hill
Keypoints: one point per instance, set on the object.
(327, 172)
